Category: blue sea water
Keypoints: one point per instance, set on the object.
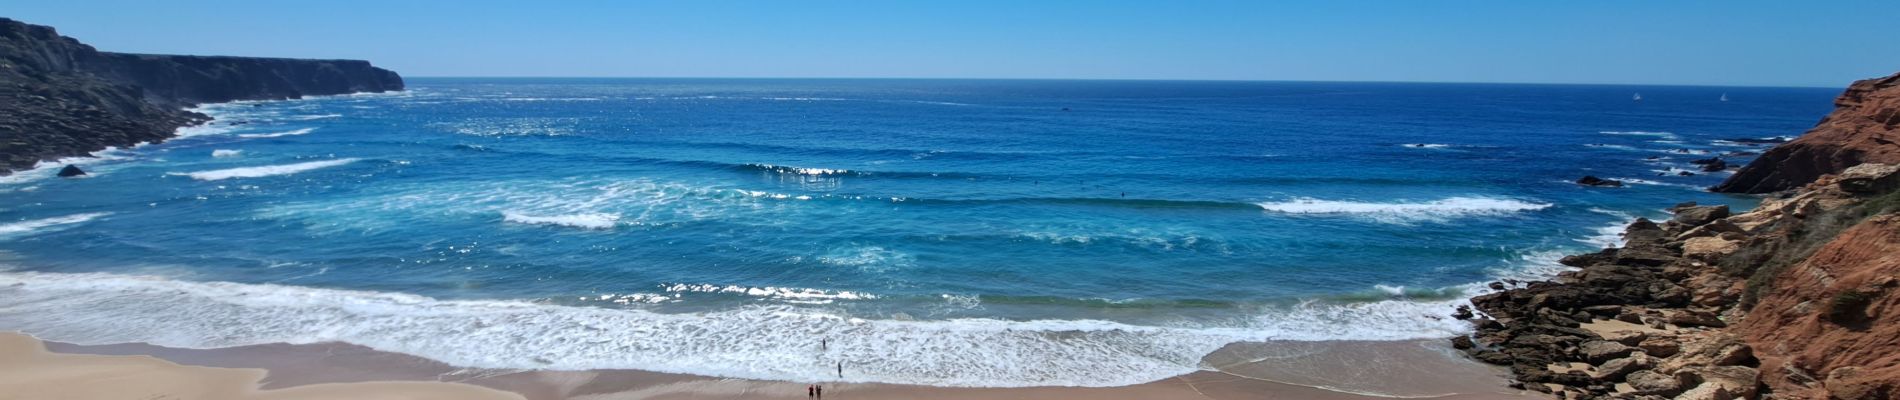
(944, 232)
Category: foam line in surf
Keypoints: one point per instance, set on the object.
(1435, 210)
(758, 342)
(294, 132)
(35, 225)
(263, 171)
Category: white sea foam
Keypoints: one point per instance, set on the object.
(1405, 212)
(1612, 146)
(30, 226)
(268, 170)
(582, 220)
(277, 134)
(48, 169)
(1426, 145)
(1657, 183)
(312, 117)
(757, 342)
(222, 153)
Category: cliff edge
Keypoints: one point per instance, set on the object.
(1864, 128)
(61, 98)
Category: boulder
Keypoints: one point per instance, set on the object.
(1716, 165)
(1870, 178)
(1600, 351)
(1699, 215)
(1462, 343)
(1706, 392)
(1738, 381)
(1615, 370)
(1713, 228)
(70, 171)
(1693, 318)
(1653, 383)
(1720, 349)
(1709, 248)
(1628, 338)
(1590, 180)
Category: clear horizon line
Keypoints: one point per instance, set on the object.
(1127, 79)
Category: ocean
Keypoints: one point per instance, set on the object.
(994, 233)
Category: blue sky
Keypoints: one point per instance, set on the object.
(1774, 43)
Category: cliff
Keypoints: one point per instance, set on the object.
(1864, 128)
(1796, 298)
(60, 97)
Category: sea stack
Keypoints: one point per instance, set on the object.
(70, 171)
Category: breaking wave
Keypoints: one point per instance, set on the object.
(30, 226)
(1404, 212)
(583, 220)
(268, 170)
(277, 134)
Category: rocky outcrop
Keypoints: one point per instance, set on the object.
(60, 97)
(1864, 128)
(1798, 298)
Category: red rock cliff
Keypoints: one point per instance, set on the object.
(1830, 325)
(1864, 128)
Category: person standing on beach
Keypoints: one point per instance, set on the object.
(821, 391)
(811, 390)
(841, 370)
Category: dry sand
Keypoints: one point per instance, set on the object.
(1310, 370)
(28, 371)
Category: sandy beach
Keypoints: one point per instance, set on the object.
(31, 369)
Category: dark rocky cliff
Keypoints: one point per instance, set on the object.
(60, 97)
(1864, 128)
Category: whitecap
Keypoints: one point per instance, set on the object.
(582, 220)
(222, 153)
(278, 134)
(1405, 212)
(268, 170)
(30, 226)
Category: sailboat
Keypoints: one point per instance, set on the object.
(1637, 97)
(1724, 96)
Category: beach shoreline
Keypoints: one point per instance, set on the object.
(283, 368)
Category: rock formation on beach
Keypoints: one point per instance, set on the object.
(1798, 298)
(1864, 128)
(61, 98)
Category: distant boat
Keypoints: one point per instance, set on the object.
(1724, 96)
(1637, 97)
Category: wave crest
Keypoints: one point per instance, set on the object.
(268, 170)
(1405, 212)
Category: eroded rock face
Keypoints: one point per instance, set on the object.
(1864, 128)
(1839, 309)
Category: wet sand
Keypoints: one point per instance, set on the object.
(1292, 370)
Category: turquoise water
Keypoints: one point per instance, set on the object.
(968, 233)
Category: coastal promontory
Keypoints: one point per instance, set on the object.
(1864, 128)
(60, 97)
